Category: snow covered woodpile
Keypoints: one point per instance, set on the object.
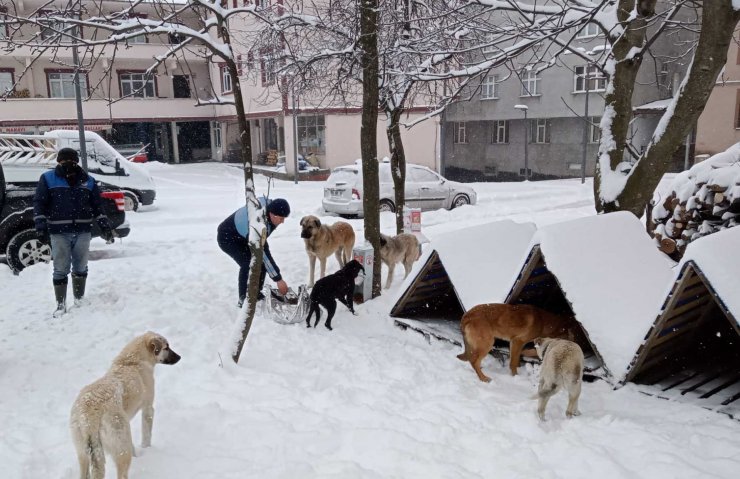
(692, 351)
(606, 271)
(460, 270)
(702, 201)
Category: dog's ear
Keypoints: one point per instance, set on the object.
(156, 345)
(317, 222)
(303, 222)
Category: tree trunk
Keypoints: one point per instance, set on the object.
(398, 164)
(369, 131)
(619, 100)
(257, 234)
(719, 20)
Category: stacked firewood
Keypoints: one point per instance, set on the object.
(702, 201)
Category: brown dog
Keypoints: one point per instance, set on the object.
(322, 240)
(516, 323)
(402, 248)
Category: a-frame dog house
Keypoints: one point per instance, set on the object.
(462, 269)
(692, 351)
(606, 271)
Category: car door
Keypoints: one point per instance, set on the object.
(431, 191)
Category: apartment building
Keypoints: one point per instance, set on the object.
(158, 110)
(524, 115)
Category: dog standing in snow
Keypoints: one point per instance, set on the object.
(326, 291)
(562, 368)
(101, 413)
(402, 248)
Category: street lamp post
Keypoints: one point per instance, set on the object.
(525, 108)
(586, 124)
(295, 137)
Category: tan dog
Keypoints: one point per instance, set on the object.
(101, 414)
(322, 240)
(562, 367)
(516, 323)
(402, 248)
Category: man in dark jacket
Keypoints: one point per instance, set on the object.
(67, 201)
(233, 239)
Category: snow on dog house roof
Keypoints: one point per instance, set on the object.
(471, 266)
(607, 271)
(692, 351)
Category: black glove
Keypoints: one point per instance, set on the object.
(107, 235)
(43, 235)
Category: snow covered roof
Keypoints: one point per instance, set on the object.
(653, 106)
(716, 256)
(481, 261)
(613, 277)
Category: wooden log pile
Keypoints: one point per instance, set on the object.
(702, 201)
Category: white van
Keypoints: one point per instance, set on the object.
(25, 157)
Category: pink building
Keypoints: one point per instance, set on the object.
(719, 124)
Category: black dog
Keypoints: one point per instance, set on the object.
(326, 291)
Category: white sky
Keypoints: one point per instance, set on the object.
(366, 400)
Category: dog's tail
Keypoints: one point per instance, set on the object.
(314, 307)
(90, 453)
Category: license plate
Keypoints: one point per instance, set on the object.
(336, 193)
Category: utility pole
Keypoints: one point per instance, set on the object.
(586, 126)
(525, 108)
(78, 97)
(295, 136)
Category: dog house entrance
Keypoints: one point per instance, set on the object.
(692, 353)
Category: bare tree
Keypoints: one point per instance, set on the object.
(201, 25)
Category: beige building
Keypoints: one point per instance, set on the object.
(719, 124)
(162, 111)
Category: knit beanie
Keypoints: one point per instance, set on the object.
(279, 207)
(67, 154)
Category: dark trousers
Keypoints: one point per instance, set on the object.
(237, 247)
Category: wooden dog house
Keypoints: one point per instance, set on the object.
(692, 351)
(605, 271)
(462, 269)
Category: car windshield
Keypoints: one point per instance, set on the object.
(343, 175)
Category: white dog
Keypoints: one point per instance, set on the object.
(562, 367)
(100, 416)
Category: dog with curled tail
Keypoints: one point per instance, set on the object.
(562, 368)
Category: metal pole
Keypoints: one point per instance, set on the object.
(526, 152)
(686, 154)
(586, 128)
(78, 101)
(295, 137)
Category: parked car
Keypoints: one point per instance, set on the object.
(425, 189)
(18, 240)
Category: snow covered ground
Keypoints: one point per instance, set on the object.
(366, 400)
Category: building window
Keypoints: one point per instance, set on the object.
(175, 38)
(4, 30)
(61, 84)
(539, 130)
(217, 134)
(530, 82)
(138, 39)
(590, 30)
(489, 88)
(6, 82)
(460, 134)
(594, 135)
(137, 85)
(596, 79)
(311, 135)
(269, 67)
(500, 131)
(489, 47)
(226, 86)
(53, 30)
(181, 86)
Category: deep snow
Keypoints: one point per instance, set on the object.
(366, 400)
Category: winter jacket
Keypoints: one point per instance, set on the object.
(63, 208)
(236, 227)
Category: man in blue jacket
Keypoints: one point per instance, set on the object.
(67, 201)
(233, 239)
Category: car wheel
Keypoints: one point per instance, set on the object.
(460, 200)
(26, 249)
(130, 201)
(387, 205)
